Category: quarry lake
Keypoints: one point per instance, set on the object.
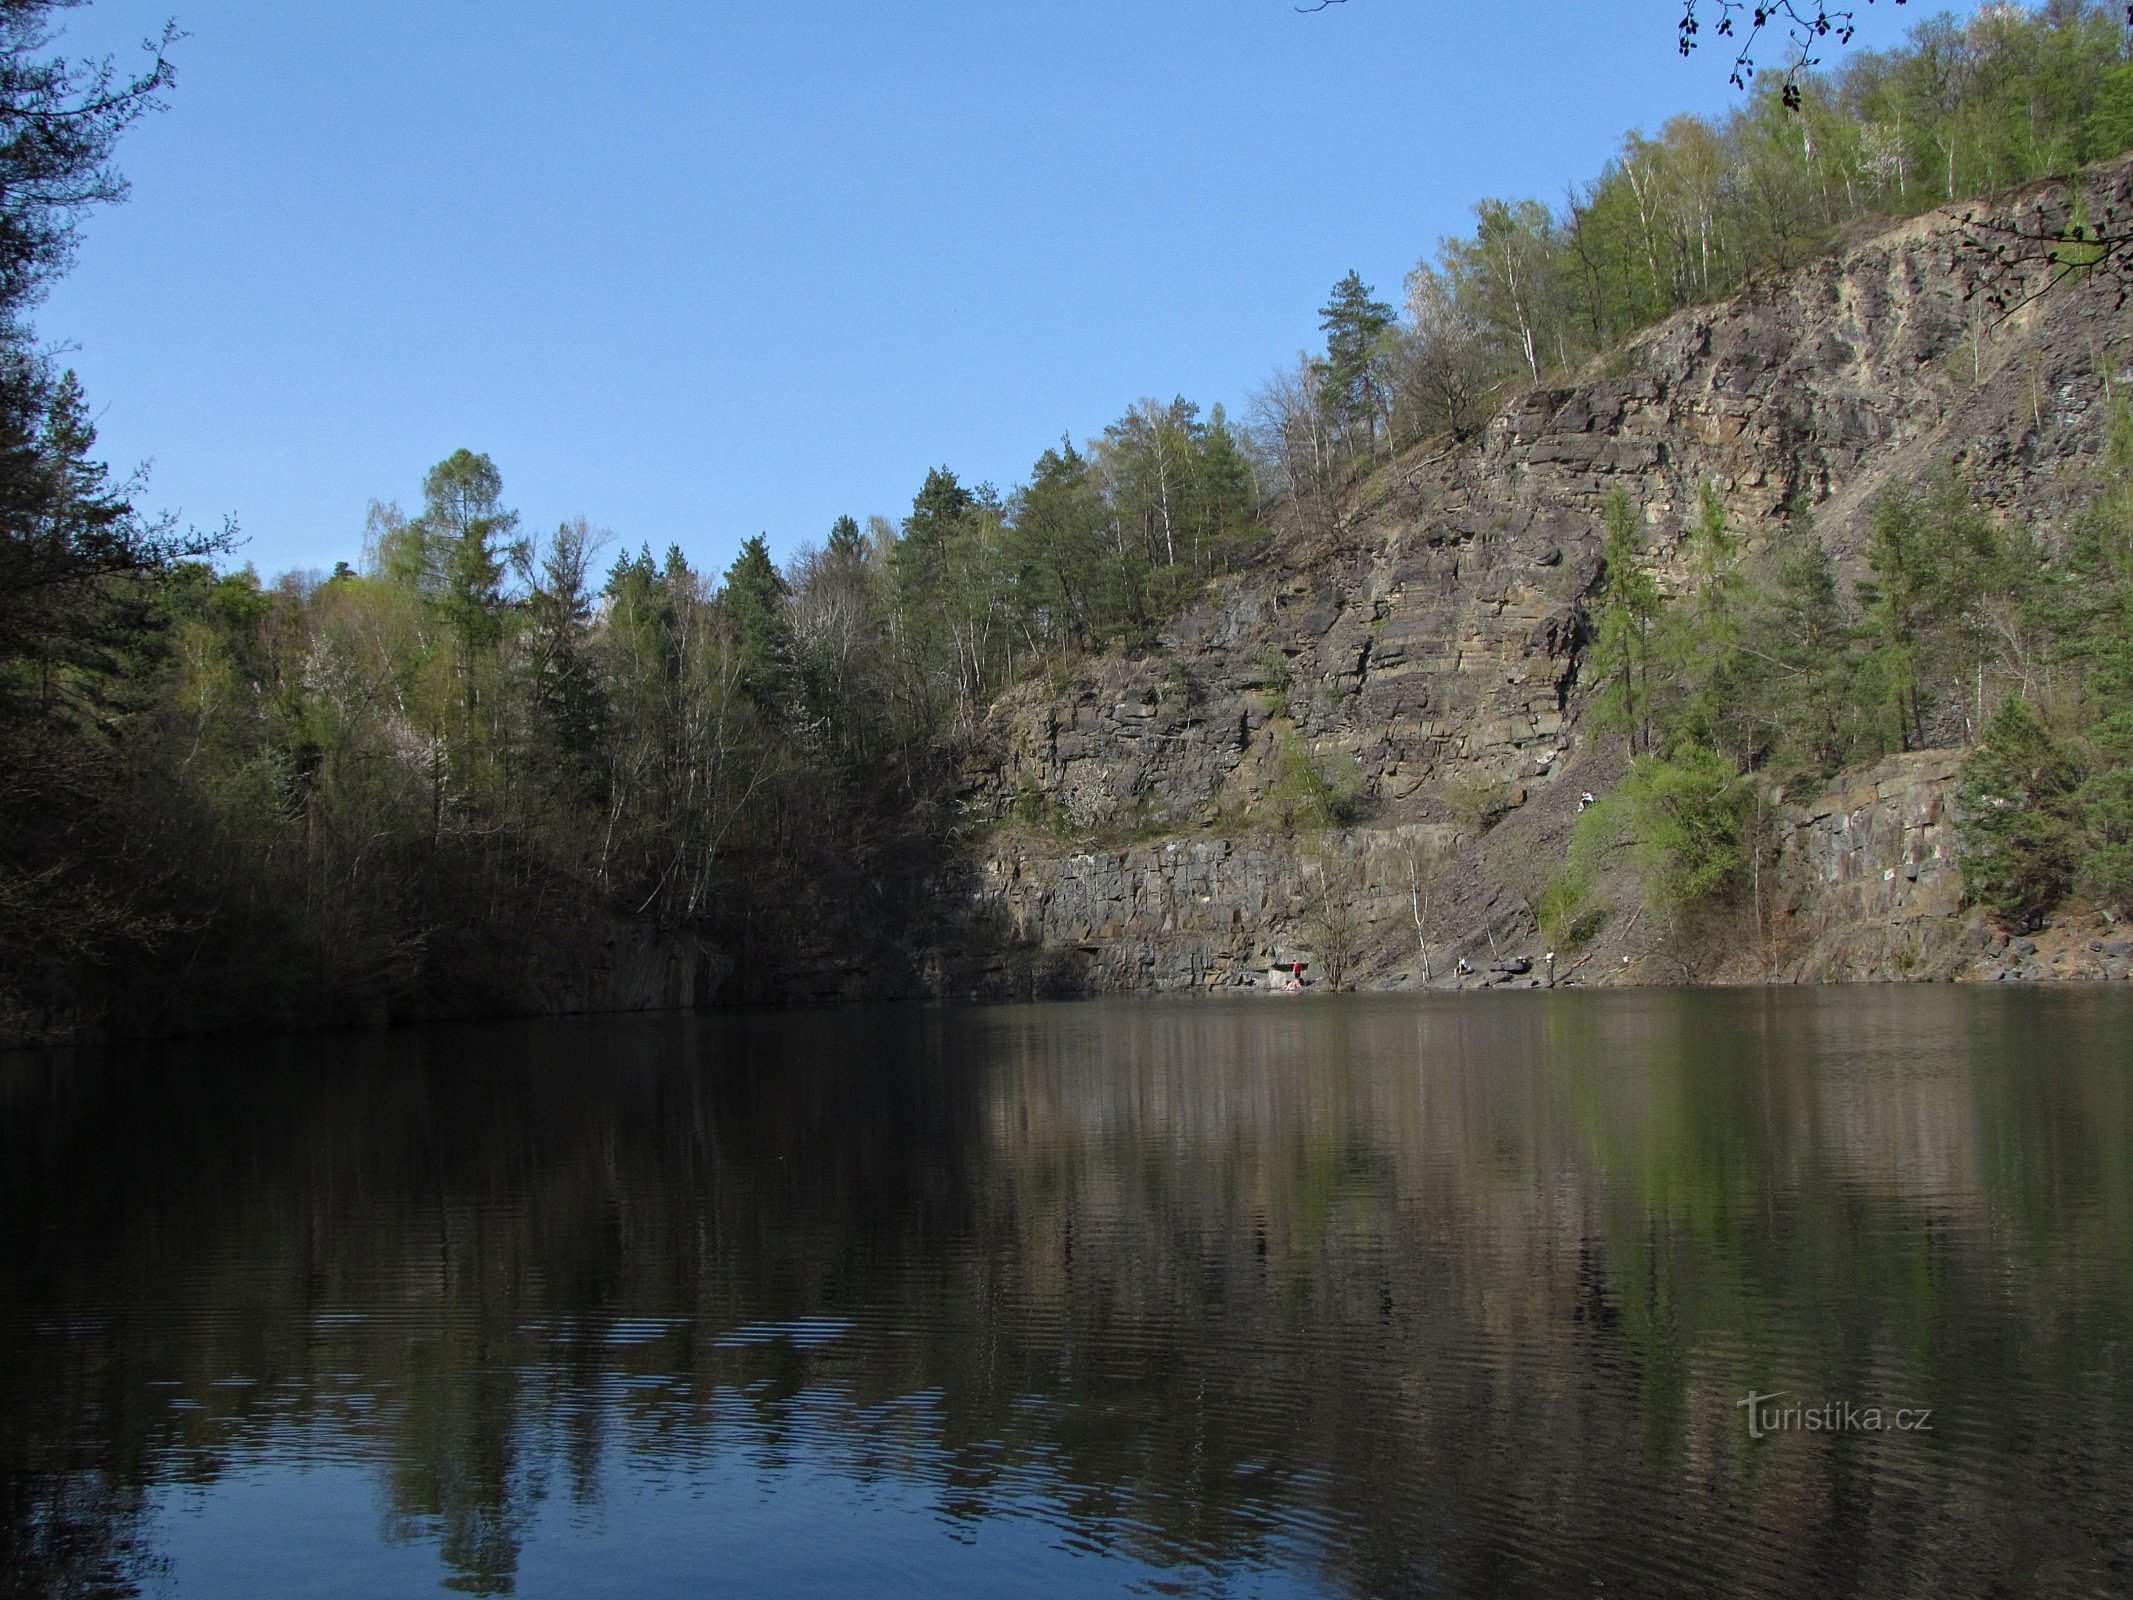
(1648, 1293)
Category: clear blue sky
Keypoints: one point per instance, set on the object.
(699, 270)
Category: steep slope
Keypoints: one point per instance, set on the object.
(1428, 655)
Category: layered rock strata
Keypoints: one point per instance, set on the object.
(1423, 662)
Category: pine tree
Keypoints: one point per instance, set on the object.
(940, 514)
(846, 543)
(1698, 642)
(2018, 806)
(1629, 606)
(1351, 383)
(1802, 702)
(754, 602)
(566, 690)
(1064, 561)
(466, 534)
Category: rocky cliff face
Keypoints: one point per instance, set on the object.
(1423, 659)
(1874, 885)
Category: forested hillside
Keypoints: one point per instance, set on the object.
(1697, 211)
(437, 780)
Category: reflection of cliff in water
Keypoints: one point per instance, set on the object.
(1444, 1296)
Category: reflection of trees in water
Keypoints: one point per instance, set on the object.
(1452, 1295)
(67, 1528)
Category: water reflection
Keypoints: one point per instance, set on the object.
(1387, 1297)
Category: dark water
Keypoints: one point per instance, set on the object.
(1385, 1297)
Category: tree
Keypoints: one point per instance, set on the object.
(69, 543)
(2099, 639)
(77, 562)
(1897, 602)
(59, 124)
(954, 613)
(937, 516)
(1425, 863)
(1332, 877)
(1144, 460)
(2018, 830)
(1509, 270)
(1177, 491)
(1294, 436)
(1937, 563)
(1222, 508)
(1352, 380)
(1064, 560)
(466, 534)
(846, 543)
(1443, 372)
(1683, 817)
(66, 531)
(567, 695)
(1629, 606)
(835, 611)
(1698, 640)
(1801, 700)
(754, 598)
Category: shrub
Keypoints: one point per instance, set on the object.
(1683, 818)
(1476, 804)
(1564, 921)
(1315, 792)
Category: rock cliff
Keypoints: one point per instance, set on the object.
(1421, 662)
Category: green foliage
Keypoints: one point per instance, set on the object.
(465, 530)
(1476, 803)
(569, 702)
(942, 517)
(1061, 548)
(1510, 276)
(1937, 563)
(1799, 700)
(1629, 607)
(2109, 128)
(1757, 673)
(1567, 921)
(2093, 611)
(2103, 810)
(1692, 214)
(1352, 381)
(2048, 793)
(1682, 818)
(82, 626)
(1332, 879)
(1102, 544)
(426, 774)
(1313, 790)
(1698, 642)
(357, 788)
(754, 602)
(846, 543)
(1180, 690)
(1965, 630)
(2018, 831)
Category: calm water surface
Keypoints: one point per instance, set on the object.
(1451, 1296)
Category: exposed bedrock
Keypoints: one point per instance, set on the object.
(1424, 659)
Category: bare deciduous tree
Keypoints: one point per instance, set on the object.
(1424, 863)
